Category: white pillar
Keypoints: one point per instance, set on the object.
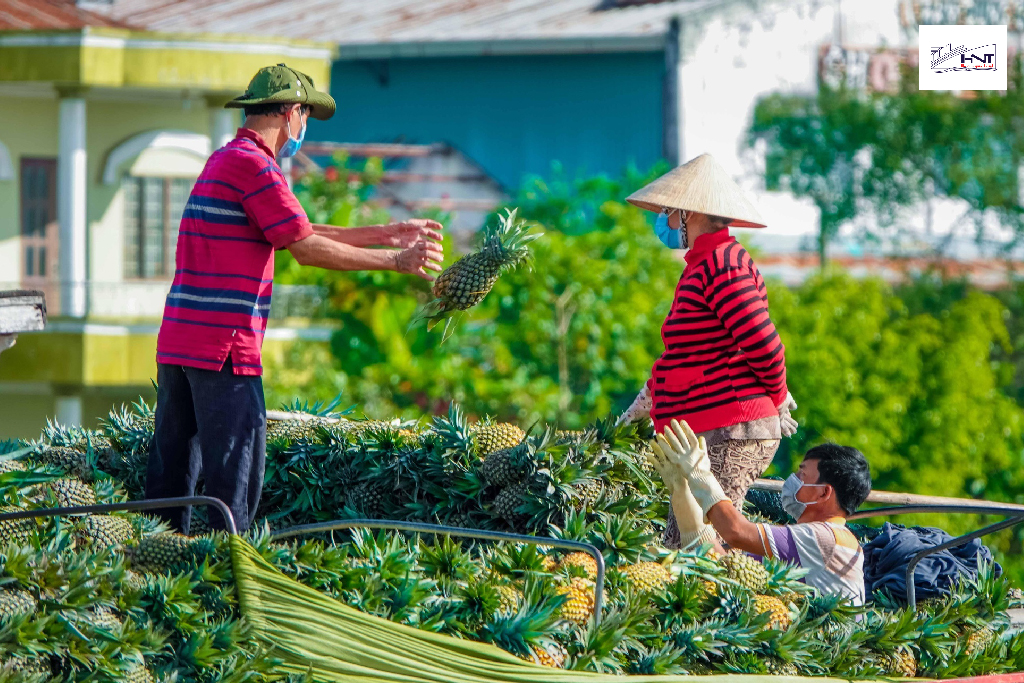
(69, 411)
(286, 168)
(223, 124)
(71, 203)
(672, 92)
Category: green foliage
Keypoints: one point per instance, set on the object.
(854, 153)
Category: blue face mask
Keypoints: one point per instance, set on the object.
(290, 148)
(669, 236)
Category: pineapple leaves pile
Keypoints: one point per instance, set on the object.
(119, 597)
(466, 282)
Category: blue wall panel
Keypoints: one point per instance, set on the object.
(513, 115)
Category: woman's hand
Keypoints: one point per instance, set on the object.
(788, 424)
(639, 409)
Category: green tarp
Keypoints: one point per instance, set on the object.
(310, 631)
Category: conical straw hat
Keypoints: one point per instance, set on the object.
(703, 186)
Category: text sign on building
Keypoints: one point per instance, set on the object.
(962, 57)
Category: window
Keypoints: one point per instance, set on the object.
(38, 218)
(153, 208)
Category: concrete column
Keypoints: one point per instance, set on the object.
(673, 96)
(71, 204)
(223, 124)
(69, 410)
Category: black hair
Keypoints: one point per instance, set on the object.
(270, 108)
(719, 220)
(846, 470)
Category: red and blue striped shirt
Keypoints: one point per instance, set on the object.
(240, 210)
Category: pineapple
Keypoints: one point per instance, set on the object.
(163, 551)
(710, 588)
(368, 498)
(780, 667)
(14, 602)
(108, 531)
(74, 462)
(509, 598)
(103, 618)
(15, 531)
(24, 668)
(70, 492)
(139, 674)
(647, 576)
(579, 608)
(507, 500)
(490, 438)
(745, 570)
(467, 281)
(899, 662)
(571, 437)
(582, 560)
(780, 619)
(11, 466)
(553, 655)
(978, 639)
(506, 466)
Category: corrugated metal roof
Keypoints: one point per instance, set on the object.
(18, 15)
(368, 22)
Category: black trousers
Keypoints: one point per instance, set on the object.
(213, 423)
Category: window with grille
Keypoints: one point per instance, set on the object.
(153, 208)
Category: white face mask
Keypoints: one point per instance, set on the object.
(793, 507)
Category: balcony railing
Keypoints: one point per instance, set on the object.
(144, 299)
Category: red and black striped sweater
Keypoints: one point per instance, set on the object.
(724, 363)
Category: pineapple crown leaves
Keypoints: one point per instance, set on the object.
(666, 660)
(681, 602)
(446, 559)
(698, 642)
(507, 241)
(621, 538)
(318, 408)
(599, 646)
(535, 624)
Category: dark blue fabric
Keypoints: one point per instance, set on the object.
(213, 423)
(886, 558)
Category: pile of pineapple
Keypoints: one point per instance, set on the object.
(121, 597)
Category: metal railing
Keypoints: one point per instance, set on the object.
(131, 506)
(439, 529)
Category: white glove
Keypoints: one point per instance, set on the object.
(685, 508)
(789, 425)
(639, 409)
(683, 453)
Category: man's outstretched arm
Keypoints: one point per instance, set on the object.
(322, 252)
(735, 529)
(397, 235)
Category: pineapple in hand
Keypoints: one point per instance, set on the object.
(466, 282)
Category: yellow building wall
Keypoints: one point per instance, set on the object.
(28, 129)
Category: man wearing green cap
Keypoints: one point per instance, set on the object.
(210, 415)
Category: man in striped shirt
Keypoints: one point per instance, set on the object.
(210, 415)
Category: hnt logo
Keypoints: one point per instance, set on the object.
(948, 59)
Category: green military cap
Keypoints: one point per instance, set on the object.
(283, 85)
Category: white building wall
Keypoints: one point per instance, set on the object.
(733, 59)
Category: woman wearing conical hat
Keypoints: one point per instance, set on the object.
(724, 369)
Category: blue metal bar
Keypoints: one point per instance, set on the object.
(419, 527)
(135, 505)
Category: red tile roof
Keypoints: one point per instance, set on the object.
(18, 15)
